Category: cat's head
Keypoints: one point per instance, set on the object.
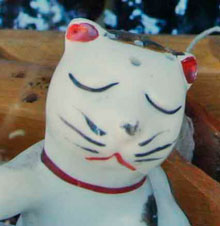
(113, 100)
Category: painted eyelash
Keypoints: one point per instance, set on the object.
(81, 86)
(93, 127)
(169, 112)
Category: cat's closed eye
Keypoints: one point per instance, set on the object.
(87, 88)
(161, 109)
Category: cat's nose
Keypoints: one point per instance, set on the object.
(130, 129)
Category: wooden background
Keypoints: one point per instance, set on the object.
(27, 61)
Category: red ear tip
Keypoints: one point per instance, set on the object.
(82, 32)
(190, 69)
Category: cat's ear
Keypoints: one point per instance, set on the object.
(189, 68)
(82, 31)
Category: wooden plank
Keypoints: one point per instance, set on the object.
(23, 88)
(206, 137)
(197, 193)
(43, 48)
(17, 81)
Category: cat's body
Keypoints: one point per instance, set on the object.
(42, 199)
(114, 112)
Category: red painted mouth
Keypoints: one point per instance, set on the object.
(118, 157)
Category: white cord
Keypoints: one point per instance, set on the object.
(201, 36)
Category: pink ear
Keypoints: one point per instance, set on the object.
(190, 70)
(82, 32)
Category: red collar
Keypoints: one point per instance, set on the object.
(69, 179)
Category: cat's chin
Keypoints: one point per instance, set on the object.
(146, 169)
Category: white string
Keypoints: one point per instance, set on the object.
(201, 36)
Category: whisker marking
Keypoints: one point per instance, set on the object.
(147, 160)
(81, 134)
(87, 149)
(150, 139)
(154, 150)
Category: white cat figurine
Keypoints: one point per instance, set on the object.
(114, 111)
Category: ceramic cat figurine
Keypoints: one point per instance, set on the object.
(114, 111)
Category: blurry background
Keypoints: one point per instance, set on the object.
(139, 16)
